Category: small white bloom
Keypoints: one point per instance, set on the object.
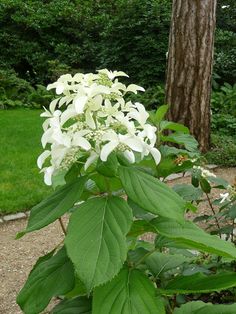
(224, 197)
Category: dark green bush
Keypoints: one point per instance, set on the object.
(224, 99)
(16, 92)
(223, 150)
(225, 52)
(43, 39)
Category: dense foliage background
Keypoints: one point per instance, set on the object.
(42, 39)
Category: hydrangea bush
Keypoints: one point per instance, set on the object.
(108, 161)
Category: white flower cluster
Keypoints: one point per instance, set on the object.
(91, 117)
(204, 172)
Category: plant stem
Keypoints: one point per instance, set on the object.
(62, 226)
(212, 208)
(232, 233)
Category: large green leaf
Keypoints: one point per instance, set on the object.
(140, 227)
(188, 235)
(187, 140)
(200, 283)
(151, 194)
(160, 113)
(168, 125)
(54, 206)
(51, 276)
(139, 212)
(199, 307)
(96, 241)
(159, 262)
(131, 292)
(188, 192)
(80, 305)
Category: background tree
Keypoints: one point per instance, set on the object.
(190, 61)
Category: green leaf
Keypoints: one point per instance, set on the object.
(140, 227)
(168, 166)
(80, 305)
(160, 262)
(188, 235)
(78, 290)
(131, 292)
(195, 181)
(187, 140)
(200, 283)
(188, 192)
(54, 206)
(137, 255)
(168, 125)
(220, 183)
(160, 113)
(139, 212)
(151, 194)
(51, 277)
(96, 241)
(205, 185)
(199, 307)
(108, 168)
(103, 183)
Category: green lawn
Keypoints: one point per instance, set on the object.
(21, 184)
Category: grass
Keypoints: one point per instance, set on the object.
(21, 184)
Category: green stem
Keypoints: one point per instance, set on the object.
(213, 210)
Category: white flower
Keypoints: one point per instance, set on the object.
(111, 75)
(204, 172)
(128, 142)
(94, 120)
(139, 113)
(224, 197)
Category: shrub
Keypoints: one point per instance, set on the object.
(223, 100)
(16, 92)
(223, 150)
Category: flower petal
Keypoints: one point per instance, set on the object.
(60, 88)
(129, 155)
(79, 103)
(156, 155)
(107, 149)
(134, 143)
(41, 159)
(48, 175)
(67, 114)
(93, 156)
(81, 142)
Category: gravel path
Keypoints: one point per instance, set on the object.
(18, 256)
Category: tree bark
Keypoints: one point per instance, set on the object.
(190, 61)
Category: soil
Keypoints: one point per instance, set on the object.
(18, 256)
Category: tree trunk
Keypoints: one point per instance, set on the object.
(190, 61)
